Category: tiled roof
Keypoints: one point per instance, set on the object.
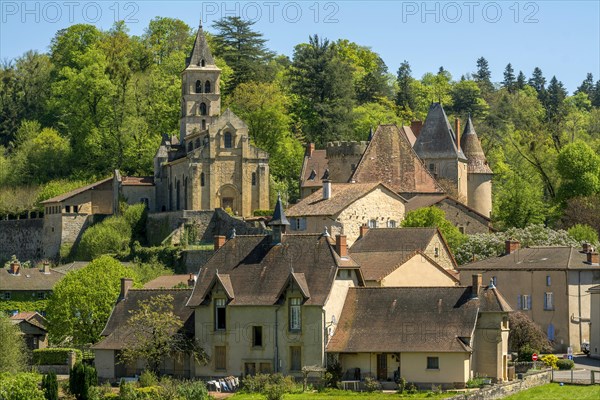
(137, 181)
(167, 281)
(535, 258)
(437, 138)
(258, 270)
(421, 201)
(74, 192)
(200, 51)
(31, 279)
(390, 159)
(32, 317)
(117, 333)
(470, 145)
(342, 195)
(410, 319)
(313, 168)
(410, 135)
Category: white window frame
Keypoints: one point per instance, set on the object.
(548, 301)
(525, 302)
(391, 223)
(372, 223)
(295, 314)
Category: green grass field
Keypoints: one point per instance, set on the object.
(340, 394)
(556, 392)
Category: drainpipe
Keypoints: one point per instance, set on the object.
(579, 305)
(325, 334)
(276, 364)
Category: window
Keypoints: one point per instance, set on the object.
(265, 368)
(207, 87)
(461, 229)
(202, 63)
(6, 296)
(198, 86)
(41, 295)
(254, 179)
(202, 108)
(190, 146)
(550, 332)
(201, 178)
(295, 358)
(433, 169)
(257, 336)
(436, 252)
(145, 201)
(203, 124)
(197, 143)
(494, 280)
(220, 315)
(220, 357)
(67, 209)
(75, 209)
(298, 224)
(228, 142)
(372, 223)
(295, 314)
(548, 301)
(249, 368)
(433, 363)
(391, 223)
(524, 302)
(548, 280)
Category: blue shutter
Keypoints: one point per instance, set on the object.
(302, 224)
(519, 305)
(551, 332)
(529, 302)
(545, 301)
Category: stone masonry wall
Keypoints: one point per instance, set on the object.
(503, 390)
(23, 238)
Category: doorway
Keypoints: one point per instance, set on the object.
(382, 367)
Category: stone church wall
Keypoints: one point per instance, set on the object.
(23, 238)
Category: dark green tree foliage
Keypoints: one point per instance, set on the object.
(483, 76)
(165, 36)
(405, 97)
(81, 378)
(537, 81)
(50, 386)
(242, 48)
(322, 84)
(509, 78)
(521, 81)
(374, 84)
(587, 86)
(595, 96)
(579, 167)
(467, 99)
(70, 43)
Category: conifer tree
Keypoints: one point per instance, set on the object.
(587, 86)
(509, 78)
(405, 97)
(483, 76)
(521, 80)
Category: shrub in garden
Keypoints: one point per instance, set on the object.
(54, 356)
(50, 386)
(565, 364)
(259, 383)
(525, 353)
(147, 378)
(371, 385)
(20, 386)
(111, 236)
(550, 360)
(81, 378)
(192, 390)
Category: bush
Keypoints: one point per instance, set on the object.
(583, 233)
(550, 361)
(165, 255)
(54, 356)
(50, 386)
(525, 353)
(262, 213)
(81, 378)
(147, 378)
(334, 374)
(475, 383)
(111, 236)
(401, 385)
(135, 216)
(20, 386)
(192, 390)
(259, 383)
(565, 364)
(371, 385)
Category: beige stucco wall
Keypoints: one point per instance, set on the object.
(480, 193)
(418, 271)
(580, 299)
(490, 346)
(135, 193)
(443, 257)
(105, 363)
(337, 296)
(595, 324)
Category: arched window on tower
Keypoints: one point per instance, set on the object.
(207, 87)
(254, 179)
(202, 63)
(201, 178)
(198, 86)
(202, 108)
(228, 140)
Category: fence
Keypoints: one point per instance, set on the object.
(576, 377)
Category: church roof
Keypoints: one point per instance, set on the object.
(471, 146)
(437, 138)
(390, 159)
(200, 52)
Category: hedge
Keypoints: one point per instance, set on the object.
(565, 364)
(54, 356)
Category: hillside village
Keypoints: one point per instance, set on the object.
(351, 285)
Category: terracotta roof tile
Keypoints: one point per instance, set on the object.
(313, 168)
(470, 145)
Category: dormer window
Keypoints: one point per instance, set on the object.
(207, 87)
(198, 86)
(202, 108)
(228, 140)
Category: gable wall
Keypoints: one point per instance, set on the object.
(418, 271)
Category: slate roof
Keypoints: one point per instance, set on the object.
(342, 195)
(471, 146)
(421, 201)
(200, 51)
(535, 258)
(279, 217)
(411, 319)
(167, 281)
(313, 168)
(258, 271)
(437, 138)
(32, 317)
(31, 279)
(77, 191)
(116, 332)
(390, 159)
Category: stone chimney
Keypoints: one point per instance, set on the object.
(340, 245)
(326, 189)
(219, 241)
(310, 148)
(510, 246)
(363, 230)
(191, 281)
(586, 247)
(457, 132)
(592, 258)
(46, 268)
(416, 127)
(476, 285)
(126, 284)
(15, 266)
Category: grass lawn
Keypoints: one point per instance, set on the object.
(556, 392)
(340, 394)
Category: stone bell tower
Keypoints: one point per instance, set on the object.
(200, 89)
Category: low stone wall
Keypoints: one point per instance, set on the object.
(57, 369)
(192, 260)
(506, 389)
(22, 238)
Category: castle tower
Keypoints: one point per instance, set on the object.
(200, 91)
(440, 150)
(479, 173)
(343, 157)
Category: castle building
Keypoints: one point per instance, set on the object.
(212, 164)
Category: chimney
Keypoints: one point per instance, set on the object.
(510, 246)
(586, 247)
(416, 126)
(340, 245)
(363, 230)
(126, 284)
(592, 258)
(326, 189)
(15, 266)
(219, 241)
(457, 132)
(310, 148)
(476, 286)
(46, 268)
(191, 281)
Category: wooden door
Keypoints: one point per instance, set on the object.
(382, 367)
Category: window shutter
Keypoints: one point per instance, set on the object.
(302, 224)
(529, 302)
(519, 305)
(545, 301)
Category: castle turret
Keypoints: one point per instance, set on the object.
(343, 157)
(479, 181)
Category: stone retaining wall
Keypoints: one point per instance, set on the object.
(506, 389)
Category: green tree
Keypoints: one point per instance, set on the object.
(50, 386)
(467, 99)
(81, 378)
(156, 333)
(368, 116)
(405, 98)
(47, 157)
(579, 167)
(521, 81)
(81, 302)
(587, 86)
(509, 78)
(483, 76)
(13, 353)
(165, 36)
(525, 332)
(69, 44)
(584, 233)
(434, 217)
(537, 81)
(111, 236)
(20, 386)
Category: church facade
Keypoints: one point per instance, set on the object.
(212, 164)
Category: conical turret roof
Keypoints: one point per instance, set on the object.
(471, 146)
(279, 217)
(437, 138)
(200, 52)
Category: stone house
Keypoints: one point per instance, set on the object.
(594, 292)
(26, 284)
(465, 218)
(426, 335)
(33, 328)
(549, 284)
(343, 208)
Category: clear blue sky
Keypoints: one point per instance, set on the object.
(561, 37)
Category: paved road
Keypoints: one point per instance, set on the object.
(587, 363)
(581, 374)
